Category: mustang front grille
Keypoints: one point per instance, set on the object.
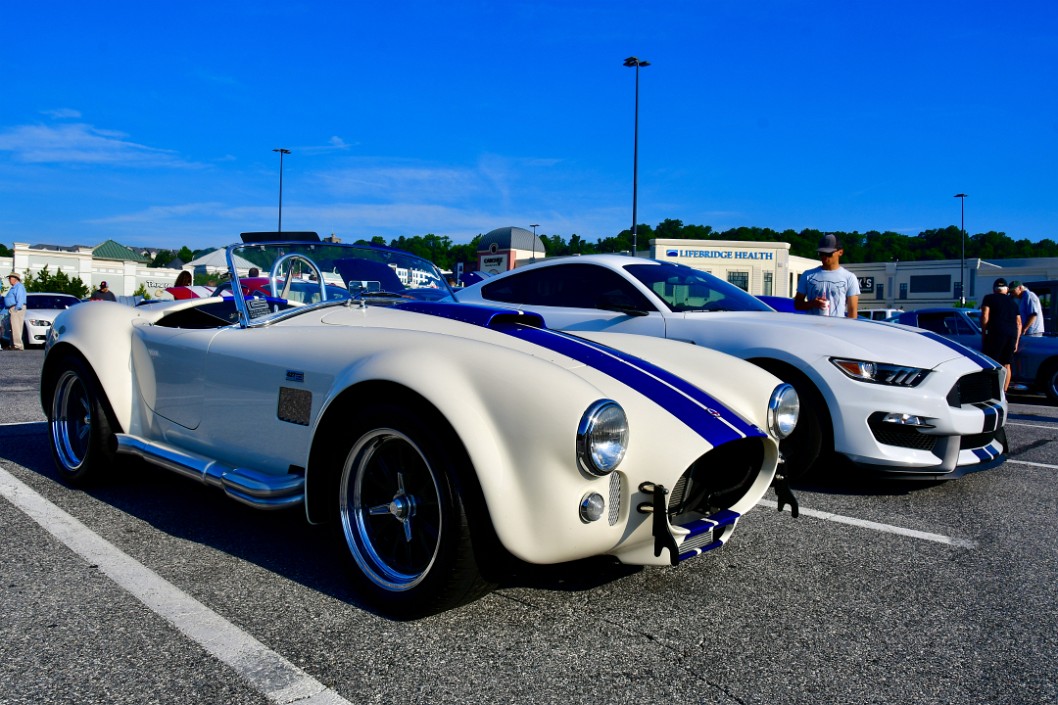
(977, 440)
(976, 387)
(892, 434)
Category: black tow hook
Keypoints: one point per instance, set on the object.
(785, 494)
(658, 506)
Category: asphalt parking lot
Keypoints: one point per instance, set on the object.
(153, 589)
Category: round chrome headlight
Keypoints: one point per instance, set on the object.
(783, 409)
(602, 437)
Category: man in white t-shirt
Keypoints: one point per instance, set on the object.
(830, 289)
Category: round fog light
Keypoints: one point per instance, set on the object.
(592, 507)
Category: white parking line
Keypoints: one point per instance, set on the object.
(1029, 425)
(1035, 465)
(266, 671)
(875, 526)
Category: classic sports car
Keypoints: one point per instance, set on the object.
(889, 399)
(1034, 367)
(433, 436)
(41, 310)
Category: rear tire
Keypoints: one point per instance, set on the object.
(401, 515)
(80, 431)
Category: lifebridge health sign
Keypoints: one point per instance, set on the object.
(721, 254)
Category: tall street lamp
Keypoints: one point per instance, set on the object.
(281, 153)
(962, 266)
(633, 61)
(534, 226)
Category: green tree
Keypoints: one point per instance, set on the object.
(163, 258)
(185, 254)
(58, 283)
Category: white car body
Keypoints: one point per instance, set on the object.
(285, 405)
(916, 431)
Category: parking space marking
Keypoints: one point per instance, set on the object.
(875, 526)
(1035, 465)
(267, 672)
(1029, 425)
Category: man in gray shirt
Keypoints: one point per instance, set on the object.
(1031, 310)
(830, 289)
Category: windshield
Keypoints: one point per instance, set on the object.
(685, 289)
(276, 277)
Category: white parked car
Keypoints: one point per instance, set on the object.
(41, 310)
(433, 436)
(887, 398)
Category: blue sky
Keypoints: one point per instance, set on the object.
(153, 123)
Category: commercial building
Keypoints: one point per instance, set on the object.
(761, 268)
(912, 285)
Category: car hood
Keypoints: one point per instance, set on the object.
(749, 333)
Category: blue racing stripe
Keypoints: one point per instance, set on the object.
(980, 358)
(699, 411)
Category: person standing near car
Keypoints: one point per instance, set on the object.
(1030, 308)
(103, 293)
(1000, 326)
(15, 305)
(830, 289)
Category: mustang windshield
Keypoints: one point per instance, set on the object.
(276, 277)
(685, 289)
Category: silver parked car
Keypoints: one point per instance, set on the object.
(41, 310)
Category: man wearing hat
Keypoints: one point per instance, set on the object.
(830, 289)
(103, 293)
(1000, 326)
(1030, 308)
(15, 305)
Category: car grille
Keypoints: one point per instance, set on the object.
(615, 498)
(717, 480)
(977, 440)
(892, 434)
(976, 387)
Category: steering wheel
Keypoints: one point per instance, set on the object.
(277, 270)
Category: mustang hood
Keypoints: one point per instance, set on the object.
(819, 336)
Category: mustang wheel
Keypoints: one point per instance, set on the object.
(80, 431)
(809, 446)
(1050, 383)
(403, 520)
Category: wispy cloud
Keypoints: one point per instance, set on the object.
(63, 113)
(79, 143)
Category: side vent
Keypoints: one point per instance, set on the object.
(295, 406)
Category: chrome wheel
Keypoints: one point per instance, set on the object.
(390, 505)
(71, 422)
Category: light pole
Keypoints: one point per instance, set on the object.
(534, 227)
(281, 153)
(633, 61)
(962, 265)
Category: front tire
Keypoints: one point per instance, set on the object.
(402, 517)
(1050, 382)
(80, 431)
(811, 444)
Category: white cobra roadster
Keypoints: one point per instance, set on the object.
(435, 437)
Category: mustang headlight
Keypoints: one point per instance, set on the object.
(783, 410)
(602, 437)
(880, 372)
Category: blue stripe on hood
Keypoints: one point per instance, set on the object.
(981, 359)
(699, 411)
